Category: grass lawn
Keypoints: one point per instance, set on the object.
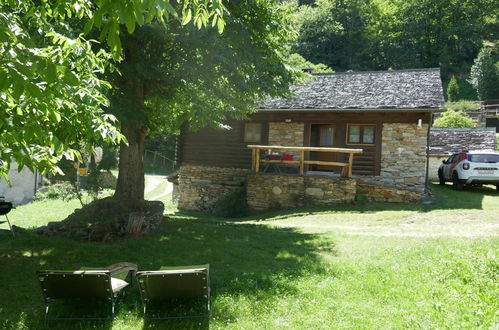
(372, 265)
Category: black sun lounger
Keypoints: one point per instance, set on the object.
(175, 282)
(85, 284)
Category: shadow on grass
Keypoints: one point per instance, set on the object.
(245, 260)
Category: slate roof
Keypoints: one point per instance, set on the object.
(446, 141)
(369, 90)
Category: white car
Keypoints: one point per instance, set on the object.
(470, 168)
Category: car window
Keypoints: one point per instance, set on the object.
(451, 159)
(484, 158)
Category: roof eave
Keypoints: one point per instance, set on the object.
(353, 110)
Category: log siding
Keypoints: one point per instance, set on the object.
(226, 148)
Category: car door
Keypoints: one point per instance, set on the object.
(446, 169)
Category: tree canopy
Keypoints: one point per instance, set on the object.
(485, 74)
(52, 93)
(173, 74)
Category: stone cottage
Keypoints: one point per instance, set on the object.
(338, 136)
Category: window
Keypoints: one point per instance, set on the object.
(253, 132)
(361, 133)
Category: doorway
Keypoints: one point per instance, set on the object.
(323, 135)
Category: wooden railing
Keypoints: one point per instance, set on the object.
(347, 167)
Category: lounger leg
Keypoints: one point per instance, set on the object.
(47, 313)
(10, 226)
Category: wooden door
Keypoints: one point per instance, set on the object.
(327, 138)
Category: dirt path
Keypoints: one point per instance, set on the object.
(157, 186)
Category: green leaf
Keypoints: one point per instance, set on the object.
(139, 15)
(88, 26)
(187, 15)
(220, 25)
(17, 89)
(34, 90)
(51, 72)
(4, 80)
(56, 116)
(70, 78)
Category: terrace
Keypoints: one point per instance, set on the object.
(262, 154)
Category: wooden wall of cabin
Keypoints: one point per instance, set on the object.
(226, 148)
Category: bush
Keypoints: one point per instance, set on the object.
(232, 205)
(453, 90)
(64, 191)
(451, 118)
(465, 105)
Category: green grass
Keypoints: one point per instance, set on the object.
(372, 265)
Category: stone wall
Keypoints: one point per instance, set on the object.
(286, 134)
(200, 187)
(403, 156)
(381, 193)
(267, 191)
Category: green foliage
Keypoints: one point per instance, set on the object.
(99, 174)
(453, 90)
(232, 205)
(464, 105)
(383, 34)
(62, 191)
(334, 32)
(50, 74)
(175, 74)
(298, 62)
(451, 118)
(484, 74)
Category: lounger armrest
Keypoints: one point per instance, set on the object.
(121, 267)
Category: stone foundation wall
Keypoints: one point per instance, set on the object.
(403, 156)
(200, 187)
(265, 192)
(379, 193)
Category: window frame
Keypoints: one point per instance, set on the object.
(253, 124)
(361, 134)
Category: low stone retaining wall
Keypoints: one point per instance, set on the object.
(200, 187)
(381, 193)
(268, 191)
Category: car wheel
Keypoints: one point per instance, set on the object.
(441, 178)
(456, 184)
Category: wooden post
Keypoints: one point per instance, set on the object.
(253, 152)
(350, 165)
(257, 161)
(302, 159)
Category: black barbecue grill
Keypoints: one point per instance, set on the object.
(5, 208)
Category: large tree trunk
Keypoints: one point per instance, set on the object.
(130, 186)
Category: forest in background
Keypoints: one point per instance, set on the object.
(362, 35)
